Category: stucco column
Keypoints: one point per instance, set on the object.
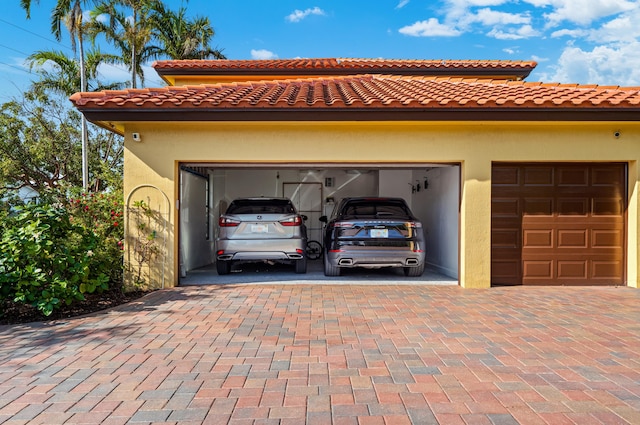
(475, 224)
(149, 195)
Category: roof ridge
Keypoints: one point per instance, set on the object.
(175, 71)
(343, 58)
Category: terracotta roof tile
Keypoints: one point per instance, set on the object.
(364, 91)
(342, 66)
(338, 63)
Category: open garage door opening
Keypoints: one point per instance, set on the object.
(432, 191)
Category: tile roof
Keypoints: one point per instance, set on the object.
(340, 63)
(369, 92)
(344, 66)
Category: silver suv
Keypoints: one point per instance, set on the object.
(373, 233)
(261, 229)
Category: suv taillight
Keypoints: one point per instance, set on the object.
(227, 222)
(344, 224)
(293, 221)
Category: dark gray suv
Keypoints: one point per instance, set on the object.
(261, 229)
(373, 233)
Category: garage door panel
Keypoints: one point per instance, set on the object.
(538, 239)
(505, 271)
(572, 239)
(505, 208)
(578, 206)
(572, 177)
(538, 176)
(572, 224)
(541, 269)
(506, 176)
(573, 269)
(538, 206)
(607, 206)
(505, 238)
(606, 270)
(607, 238)
(606, 176)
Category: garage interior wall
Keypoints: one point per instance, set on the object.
(195, 236)
(431, 192)
(437, 205)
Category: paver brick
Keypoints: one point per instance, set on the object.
(333, 354)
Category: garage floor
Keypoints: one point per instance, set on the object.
(264, 273)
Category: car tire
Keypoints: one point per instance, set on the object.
(330, 270)
(314, 250)
(223, 266)
(414, 271)
(301, 265)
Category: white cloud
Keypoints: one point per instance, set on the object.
(491, 17)
(582, 12)
(402, 4)
(102, 18)
(610, 27)
(623, 28)
(16, 65)
(462, 15)
(603, 65)
(539, 59)
(429, 28)
(525, 31)
(569, 33)
(118, 73)
(263, 54)
(299, 15)
(456, 9)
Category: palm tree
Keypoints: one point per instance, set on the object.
(70, 12)
(128, 27)
(182, 38)
(132, 25)
(64, 78)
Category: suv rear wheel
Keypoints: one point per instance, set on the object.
(414, 271)
(330, 270)
(301, 265)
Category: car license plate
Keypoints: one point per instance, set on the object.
(259, 228)
(379, 233)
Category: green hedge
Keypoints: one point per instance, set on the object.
(54, 251)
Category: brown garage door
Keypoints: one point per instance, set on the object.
(558, 224)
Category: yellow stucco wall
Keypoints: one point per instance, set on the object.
(475, 146)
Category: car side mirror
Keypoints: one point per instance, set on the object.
(324, 219)
(304, 217)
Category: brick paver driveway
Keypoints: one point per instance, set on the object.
(333, 354)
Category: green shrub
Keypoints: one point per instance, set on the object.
(53, 252)
(102, 214)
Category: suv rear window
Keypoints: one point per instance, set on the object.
(375, 208)
(261, 206)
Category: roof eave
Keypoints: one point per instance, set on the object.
(109, 117)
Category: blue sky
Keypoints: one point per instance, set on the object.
(573, 41)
